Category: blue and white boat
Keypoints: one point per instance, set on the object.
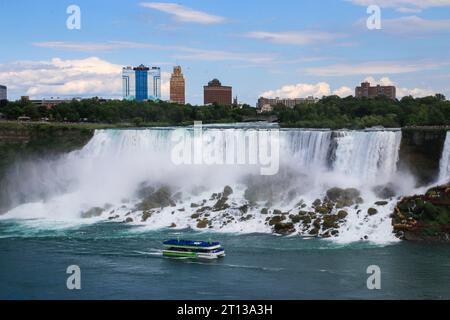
(193, 249)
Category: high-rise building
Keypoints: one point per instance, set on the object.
(3, 93)
(366, 90)
(177, 86)
(215, 93)
(267, 104)
(141, 83)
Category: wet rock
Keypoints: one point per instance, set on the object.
(194, 205)
(203, 224)
(326, 208)
(158, 199)
(329, 221)
(385, 192)
(314, 232)
(276, 219)
(317, 223)
(173, 225)
(317, 203)
(264, 211)
(381, 203)
(372, 211)
(114, 217)
(243, 209)
(334, 232)
(284, 228)
(146, 215)
(92, 213)
(247, 218)
(342, 214)
(215, 196)
(221, 204)
(227, 191)
(195, 216)
(203, 210)
(295, 218)
(128, 220)
(277, 212)
(343, 197)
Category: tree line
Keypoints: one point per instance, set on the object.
(96, 110)
(330, 112)
(358, 113)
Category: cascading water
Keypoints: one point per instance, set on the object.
(368, 156)
(109, 171)
(444, 171)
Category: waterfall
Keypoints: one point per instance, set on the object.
(115, 164)
(444, 169)
(368, 156)
(308, 148)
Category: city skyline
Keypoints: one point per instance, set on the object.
(289, 51)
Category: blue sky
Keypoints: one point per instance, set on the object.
(286, 48)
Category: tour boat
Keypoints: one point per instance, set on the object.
(193, 249)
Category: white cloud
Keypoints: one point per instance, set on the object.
(218, 55)
(302, 90)
(375, 67)
(401, 91)
(414, 25)
(94, 46)
(293, 37)
(177, 52)
(68, 78)
(57, 77)
(321, 89)
(343, 92)
(184, 14)
(165, 85)
(404, 5)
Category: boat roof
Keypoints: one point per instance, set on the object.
(188, 243)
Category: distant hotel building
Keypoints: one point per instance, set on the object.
(215, 93)
(3, 93)
(141, 83)
(177, 86)
(267, 105)
(365, 90)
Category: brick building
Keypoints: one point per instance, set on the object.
(177, 86)
(215, 93)
(368, 91)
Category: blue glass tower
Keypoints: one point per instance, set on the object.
(141, 83)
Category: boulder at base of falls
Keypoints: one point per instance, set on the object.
(92, 213)
(385, 192)
(222, 204)
(284, 228)
(146, 215)
(424, 217)
(155, 199)
(344, 197)
(276, 219)
(128, 220)
(202, 224)
(372, 211)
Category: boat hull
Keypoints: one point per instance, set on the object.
(193, 255)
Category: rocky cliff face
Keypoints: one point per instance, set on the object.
(420, 153)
